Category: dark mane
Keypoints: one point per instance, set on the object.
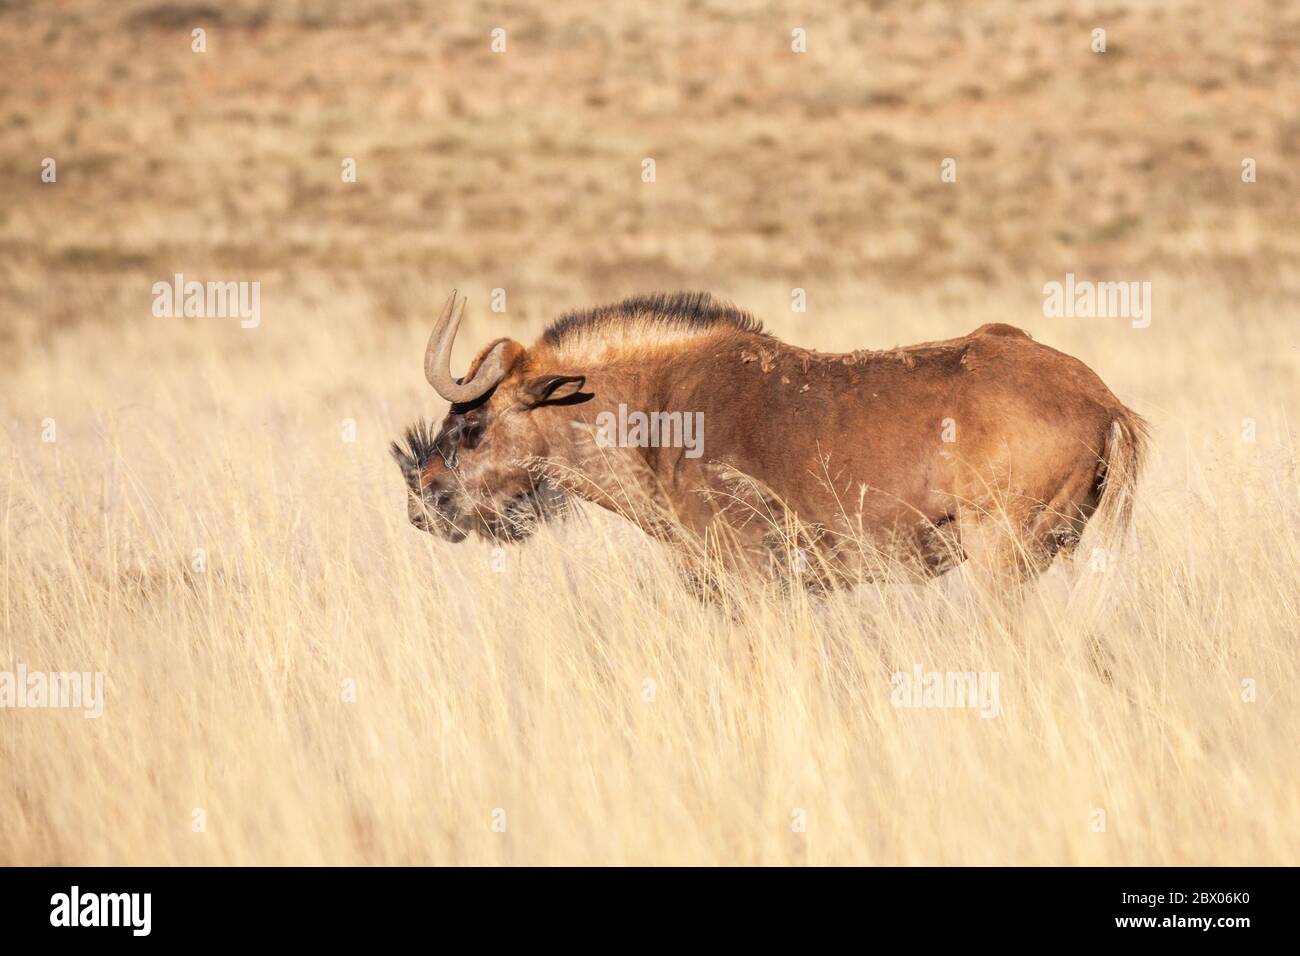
(678, 310)
(421, 445)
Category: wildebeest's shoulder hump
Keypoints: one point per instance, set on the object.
(1001, 328)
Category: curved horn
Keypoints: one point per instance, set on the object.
(437, 359)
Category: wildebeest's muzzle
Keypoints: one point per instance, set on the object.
(429, 508)
(437, 502)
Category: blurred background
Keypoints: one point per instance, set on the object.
(522, 169)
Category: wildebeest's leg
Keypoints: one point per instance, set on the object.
(1004, 555)
(757, 533)
(701, 581)
(939, 547)
(1014, 539)
(1057, 527)
(714, 565)
(1000, 566)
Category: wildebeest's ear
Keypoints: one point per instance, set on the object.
(552, 389)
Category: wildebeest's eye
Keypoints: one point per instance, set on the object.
(467, 432)
(471, 434)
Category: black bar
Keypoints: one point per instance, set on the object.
(333, 906)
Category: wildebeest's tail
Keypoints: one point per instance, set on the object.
(1118, 471)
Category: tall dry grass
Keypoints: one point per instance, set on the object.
(572, 682)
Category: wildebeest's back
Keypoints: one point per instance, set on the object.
(899, 434)
(830, 433)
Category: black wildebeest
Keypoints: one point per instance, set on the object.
(990, 445)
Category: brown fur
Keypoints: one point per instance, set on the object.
(818, 453)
